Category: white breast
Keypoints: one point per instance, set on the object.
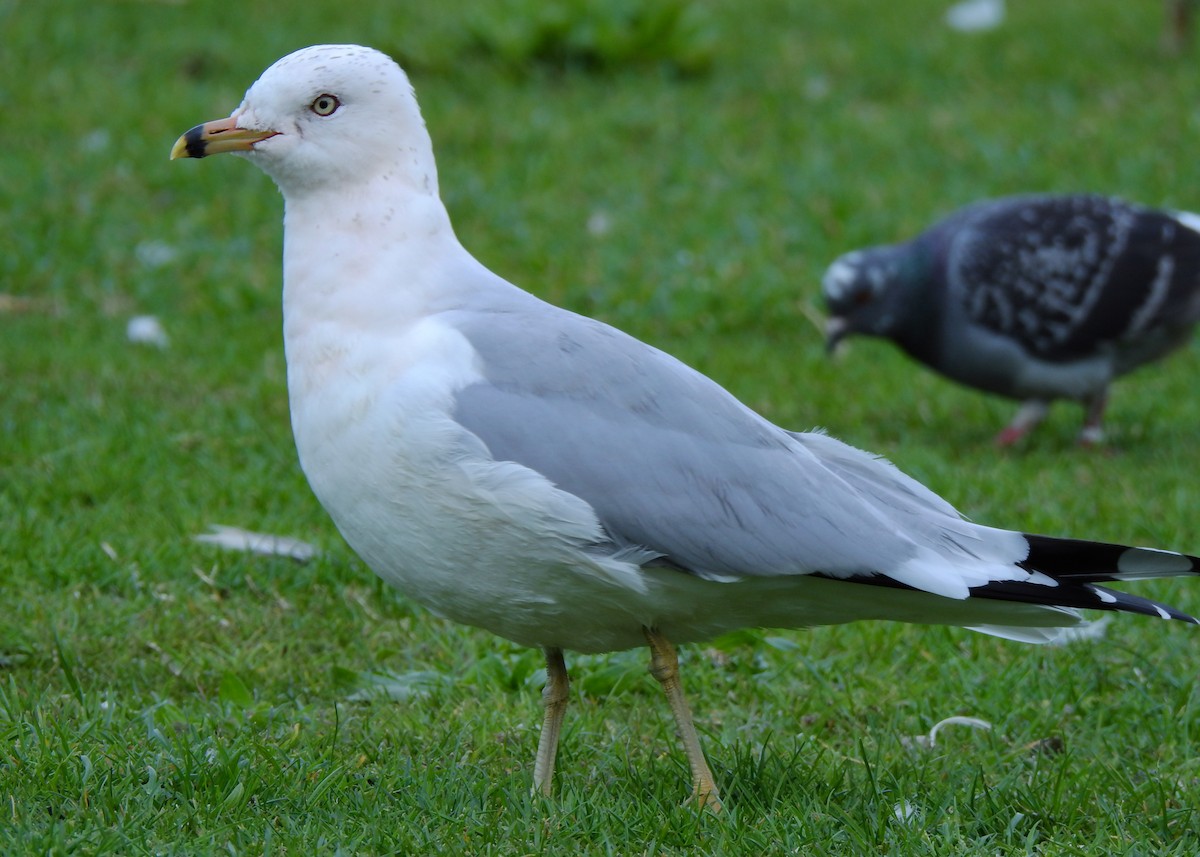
(487, 543)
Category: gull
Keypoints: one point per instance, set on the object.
(536, 473)
(1036, 297)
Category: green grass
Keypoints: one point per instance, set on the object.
(158, 696)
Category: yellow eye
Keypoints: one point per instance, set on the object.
(324, 105)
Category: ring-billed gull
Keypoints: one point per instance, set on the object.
(1037, 298)
(520, 468)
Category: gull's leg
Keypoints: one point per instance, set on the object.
(554, 697)
(1093, 422)
(664, 666)
(1028, 416)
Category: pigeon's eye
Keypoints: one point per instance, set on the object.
(324, 105)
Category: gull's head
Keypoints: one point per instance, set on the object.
(327, 116)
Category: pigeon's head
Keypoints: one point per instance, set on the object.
(327, 116)
(861, 294)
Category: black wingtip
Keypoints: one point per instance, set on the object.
(1082, 561)
(1124, 602)
(1079, 567)
(1086, 596)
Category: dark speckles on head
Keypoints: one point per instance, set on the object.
(379, 132)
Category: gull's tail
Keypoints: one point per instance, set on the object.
(1078, 567)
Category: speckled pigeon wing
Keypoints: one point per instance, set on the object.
(1064, 276)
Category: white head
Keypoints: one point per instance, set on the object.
(325, 117)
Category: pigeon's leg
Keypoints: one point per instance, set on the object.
(1028, 416)
(1093, 423)
(664, 666)
(554, 697)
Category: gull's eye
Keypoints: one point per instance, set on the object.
(324, 105)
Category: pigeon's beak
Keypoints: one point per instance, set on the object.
(213, 138)
(836, 329)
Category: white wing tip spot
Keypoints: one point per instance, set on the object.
(1152, 562)
(1106, 597)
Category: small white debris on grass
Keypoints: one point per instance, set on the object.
(234, 538)
(975, 16)
(173, 666)
(146, 330)
(599, 224)
(929, 741)
(905, 811)
(817, 87)
(155, 254)
(97, 140)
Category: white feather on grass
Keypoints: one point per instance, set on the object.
(235, 538)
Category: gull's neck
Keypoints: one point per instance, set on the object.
(363, 268)
(365, 256)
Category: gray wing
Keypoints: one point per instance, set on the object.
(672, 462)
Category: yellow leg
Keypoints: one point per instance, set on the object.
(664, 666)
(554, 698)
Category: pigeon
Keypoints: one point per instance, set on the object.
(1036, 298)
(539, 474)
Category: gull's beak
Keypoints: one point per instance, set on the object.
(213, 138)
(836, 329)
